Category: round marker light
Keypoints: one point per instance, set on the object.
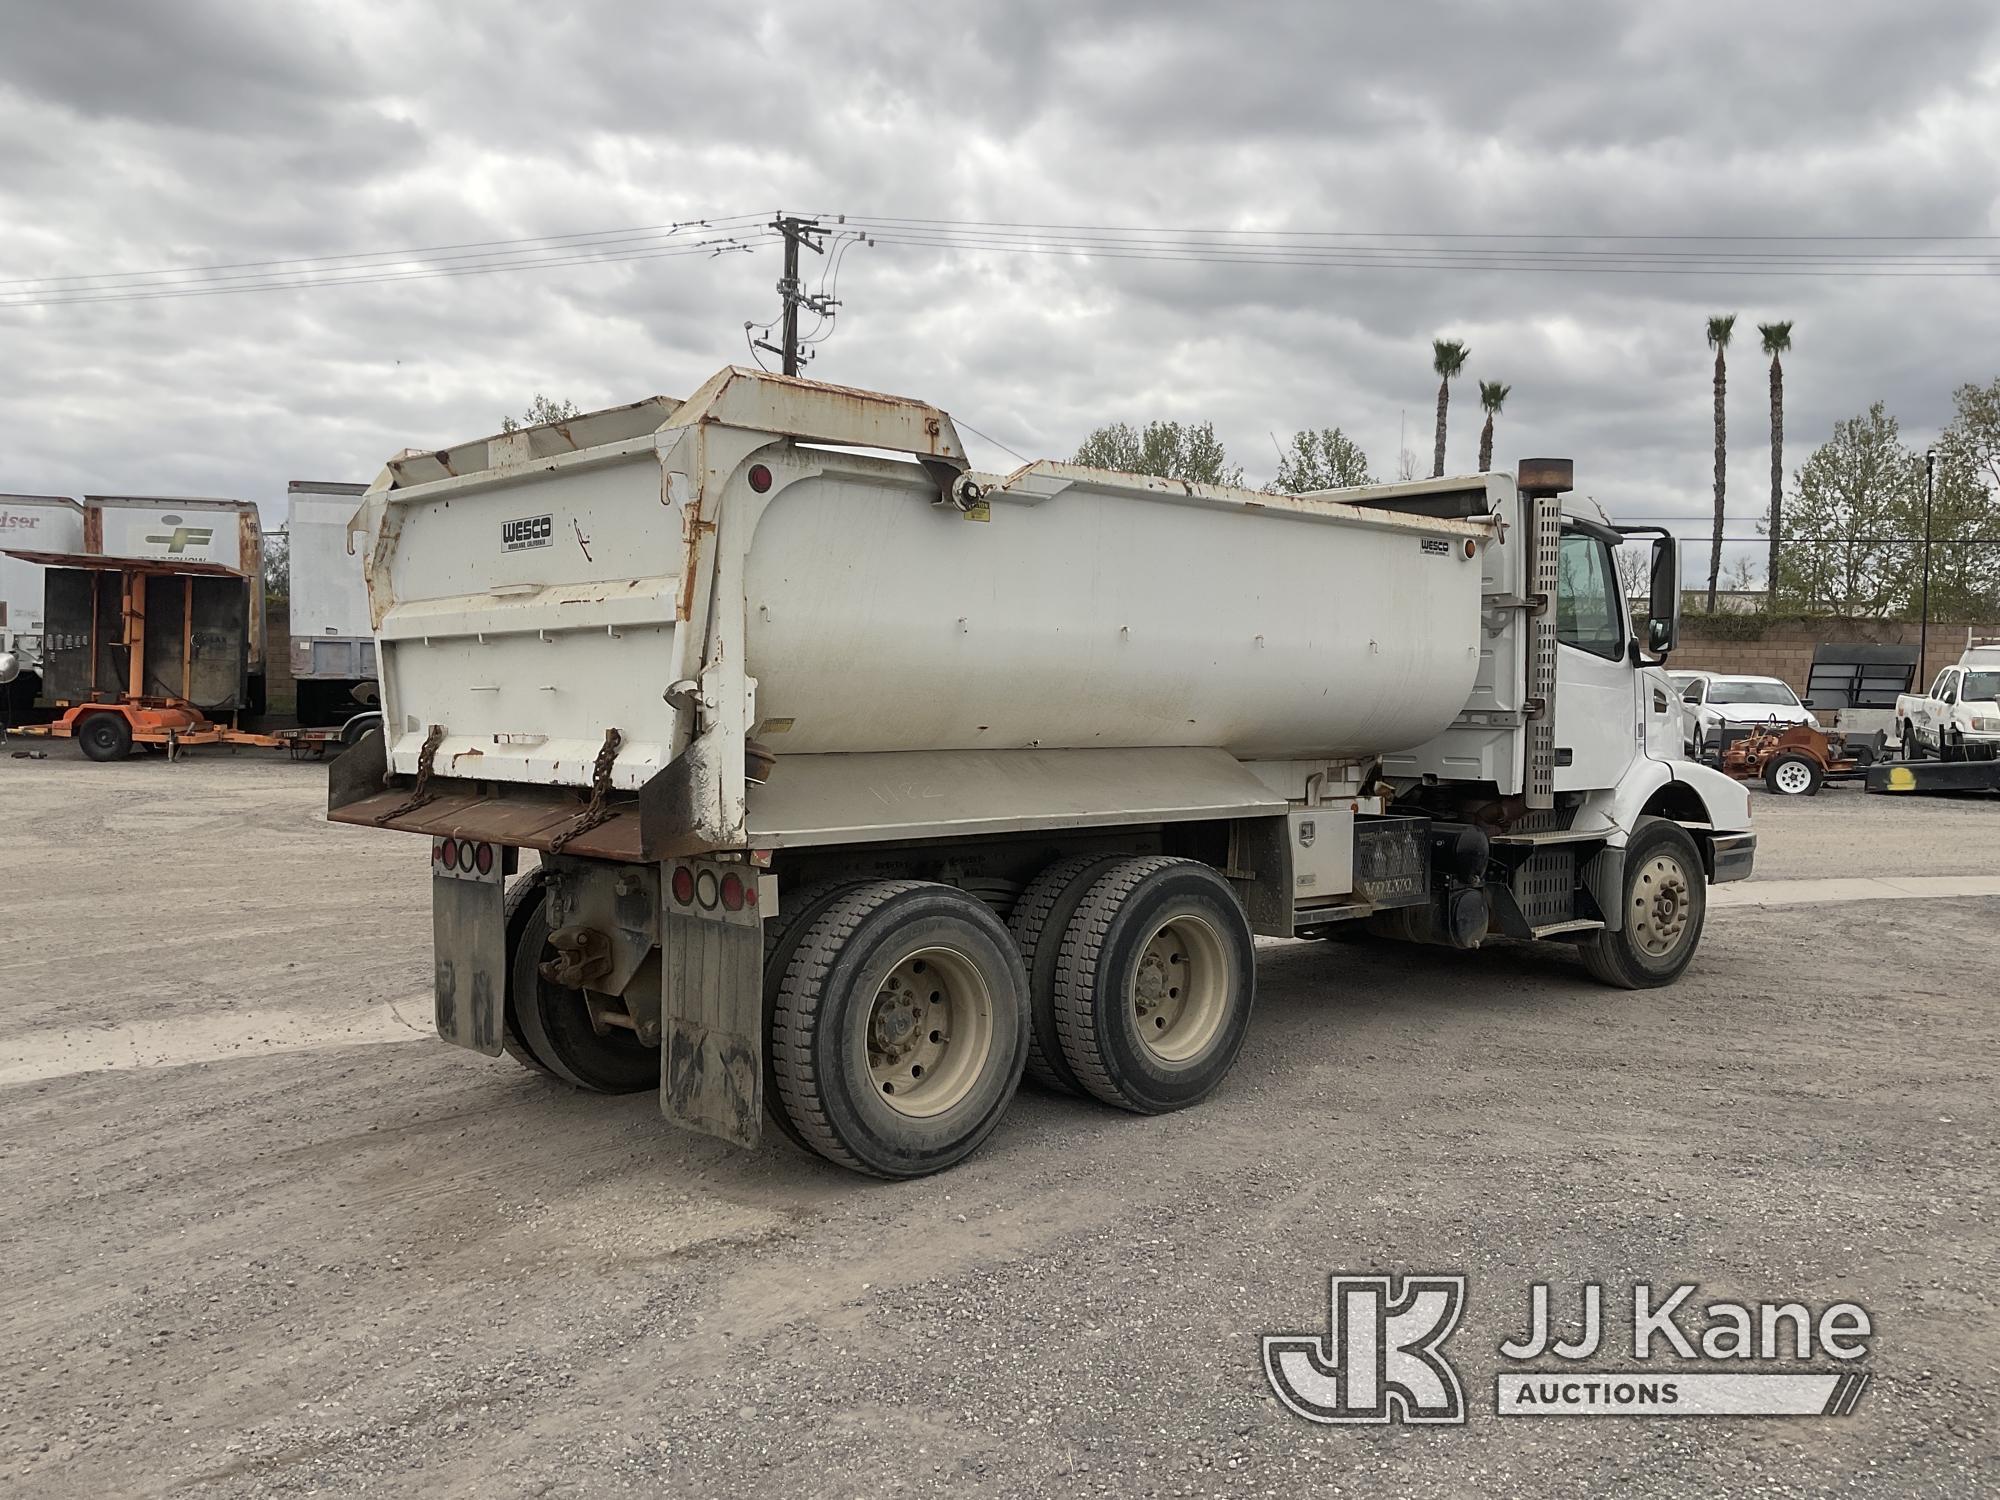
(483, 859)
(732, 892)
(760, 478)
(448, 854)
(465, 856)
(704, 889)
(683, 884)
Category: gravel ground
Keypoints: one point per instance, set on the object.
(266, 1239)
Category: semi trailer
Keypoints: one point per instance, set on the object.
(842, 784)
(48, 523)
(332, 647)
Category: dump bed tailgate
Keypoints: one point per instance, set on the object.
(527, 609)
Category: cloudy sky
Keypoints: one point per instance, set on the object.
(139, 136)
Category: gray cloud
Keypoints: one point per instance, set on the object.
(140, 135)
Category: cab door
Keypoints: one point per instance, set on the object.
(1599, 728)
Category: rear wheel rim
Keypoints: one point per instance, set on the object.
(1794, 777)
(1662, 906)
(1179, 994)
(930, 1032)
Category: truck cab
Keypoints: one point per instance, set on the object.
(1961, 711)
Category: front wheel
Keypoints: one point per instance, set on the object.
(1794, 776)
(1665, 904)
(899, 1028)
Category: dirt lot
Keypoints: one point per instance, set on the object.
(265, 1237)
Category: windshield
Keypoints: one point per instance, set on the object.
(1751, 692)
(1981, 687)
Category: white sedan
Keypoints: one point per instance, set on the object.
(1715, 703)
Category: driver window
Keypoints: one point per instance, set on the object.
(1949, 691)
(1693, 693)
(1588, 615)
(1943, 681)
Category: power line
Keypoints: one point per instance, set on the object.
(711, 247)
(1341, 259)
(423, 250)
(1420, 234)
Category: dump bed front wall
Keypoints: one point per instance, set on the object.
(528, 612)
(1102, 616)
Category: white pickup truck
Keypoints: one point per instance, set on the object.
(1960, 709)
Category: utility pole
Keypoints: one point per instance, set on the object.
(797, 232)
(1924, 609)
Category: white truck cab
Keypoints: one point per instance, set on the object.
(1961, 709)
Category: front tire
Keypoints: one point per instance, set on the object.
(105, 736)
(1157, 979)
(900, 1028)
(1665, 904)
(1794, 776)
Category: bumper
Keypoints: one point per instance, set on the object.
(1731, 856)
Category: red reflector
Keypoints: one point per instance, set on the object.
(750, 893)
(483, 857)
(760, 478)
(683, 884)
(732, 892)
(448, 853)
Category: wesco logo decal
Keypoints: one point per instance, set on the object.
(528, 531)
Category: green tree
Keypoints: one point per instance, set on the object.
(1845, 549)
(1974, 433)
(1777, 339)
(1448, 358)
(1720, 327)
(277, 568)
(1165, 450)
(540, 411)
(1325, 460)
(1492, 396)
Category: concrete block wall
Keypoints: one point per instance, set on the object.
(1784, 648)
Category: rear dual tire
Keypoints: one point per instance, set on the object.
(1154, 985)
(899, 1028)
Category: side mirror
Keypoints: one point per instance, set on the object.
(1665, 605)
(1807, 703)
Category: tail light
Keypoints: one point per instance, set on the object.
(683, 884)
(448, 854)
(732, 892)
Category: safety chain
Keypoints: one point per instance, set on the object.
(598, 810)
(420, 793)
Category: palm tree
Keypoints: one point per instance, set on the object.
(1719, 329)
(1492, 396)
(1447, 360)
(1777, 339)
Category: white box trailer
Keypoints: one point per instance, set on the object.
(862, 781)
(32, 523)
(332, 651)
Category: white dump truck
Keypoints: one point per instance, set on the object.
(862, 781)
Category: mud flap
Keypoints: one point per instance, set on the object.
(712, 1005)
(469, 942)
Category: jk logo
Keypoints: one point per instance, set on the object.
(1381, 1359)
